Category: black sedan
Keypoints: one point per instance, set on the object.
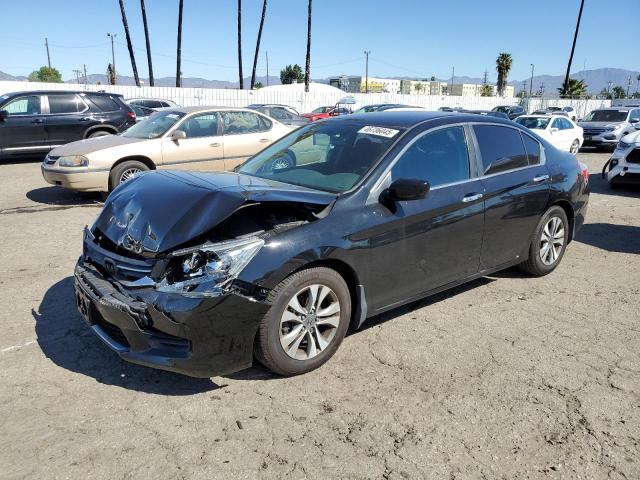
(200, 273)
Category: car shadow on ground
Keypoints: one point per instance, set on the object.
(599, 185)
(61, 196)
(69, 343)
(611, 237)
(21, 160)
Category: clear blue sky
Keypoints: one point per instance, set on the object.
(406, 37)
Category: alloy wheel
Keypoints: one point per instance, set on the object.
(128, 174)
(575, 146)
(309, 322)
(552, 241)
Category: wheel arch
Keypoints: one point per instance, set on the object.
(568, 210)
(139, 158)
(103, 127)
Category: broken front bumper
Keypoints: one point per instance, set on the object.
(200, 337)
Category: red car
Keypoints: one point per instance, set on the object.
(325, 112)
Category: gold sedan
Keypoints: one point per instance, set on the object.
(190, 138)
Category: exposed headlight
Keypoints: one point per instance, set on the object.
(73, 161)
(204, 271)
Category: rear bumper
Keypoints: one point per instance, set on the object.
(199, 337)
(86, 181)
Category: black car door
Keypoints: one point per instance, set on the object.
(68, 118)
(420, 245)
(23, 131)
(516, 189)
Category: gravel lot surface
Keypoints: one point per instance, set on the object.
(508, 377)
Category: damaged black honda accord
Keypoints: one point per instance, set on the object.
(200, 273)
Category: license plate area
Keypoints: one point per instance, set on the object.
(84, 304)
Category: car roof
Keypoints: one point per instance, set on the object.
(49, 92)
(407, 119)
(617, 109)
(540, 115)
(208, 108)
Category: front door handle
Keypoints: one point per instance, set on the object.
(85, 119)
(264, 140)
(215, 144)
(540, 178)
(472, 197)
(37, 120)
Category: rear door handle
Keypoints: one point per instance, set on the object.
(85, 119)
(37, 120)
(540, 178)
(472, 197)
(215, 144)
(264, 140)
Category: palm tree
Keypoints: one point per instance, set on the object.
(126, 32)
(618, 92)
(240, 44)
(146, 36)
(503, 67)
(565, 85)
(575, 88)
(179, 50)
(255, 57)
(307, 69)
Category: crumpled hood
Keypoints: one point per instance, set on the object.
(159, 211)
(89, 145)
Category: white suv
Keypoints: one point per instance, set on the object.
(606, 126)
(624, 164)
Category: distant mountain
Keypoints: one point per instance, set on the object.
(596, 80)
(6, 76)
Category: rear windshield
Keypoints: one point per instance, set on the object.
(606, 116)
(106, 103)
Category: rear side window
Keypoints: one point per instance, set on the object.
(105, 103)
(439, 157)
(501, 148)
(533, 149)
(238, 123)
(67, 103)
(29, 105)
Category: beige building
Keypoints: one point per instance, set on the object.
(423, 87)
(475, 90)
(359, 84)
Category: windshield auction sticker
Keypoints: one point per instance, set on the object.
(379, 131)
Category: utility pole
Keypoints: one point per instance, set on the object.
(628, 86)
(524, 88)
(531, 83)
(113, 56)
(485, 76)
(453, 71)
(266, 54)
(84, 66)
(542, 89)
(366, 71)
(77, 74)
(565, 86)
(46, 44)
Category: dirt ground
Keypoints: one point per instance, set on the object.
(508, 377)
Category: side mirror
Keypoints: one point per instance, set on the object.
(178, 135)
(404, 189)
(3, 115)
(553, 130)
(634, 120)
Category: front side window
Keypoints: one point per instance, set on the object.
(565, 124)
(331, 157)
(557, 123)
(279, 114)
(154, 126)
(29, 105)
(533, 122)
(321, 110)
(67, 103)
(501, 148)
(439, 157)
(201, 125)
(239, 123)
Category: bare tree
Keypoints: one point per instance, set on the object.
(307, 69)
(179, 51)
(126, 32)
(255, 57)
(146, 37)
(241, 82)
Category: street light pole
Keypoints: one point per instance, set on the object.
(366, 71)
(113, 56)
(531, 82)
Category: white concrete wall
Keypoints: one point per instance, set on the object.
(303, 102)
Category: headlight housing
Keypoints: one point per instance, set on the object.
(73, 161)
(205, 270)
(611, 128)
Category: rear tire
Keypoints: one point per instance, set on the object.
(125, 171)
(295, 337)
(548, 243)
(99, 133)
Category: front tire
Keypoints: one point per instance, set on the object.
(548, 243)
(125, 171)
(308, 319)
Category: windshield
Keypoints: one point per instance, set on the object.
(321, 110)
(606, 116)
(331, 157)
(501, 109)
(154, 126)
(533, 123)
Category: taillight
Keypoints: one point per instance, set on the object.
(131, 114)
(584, 172)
